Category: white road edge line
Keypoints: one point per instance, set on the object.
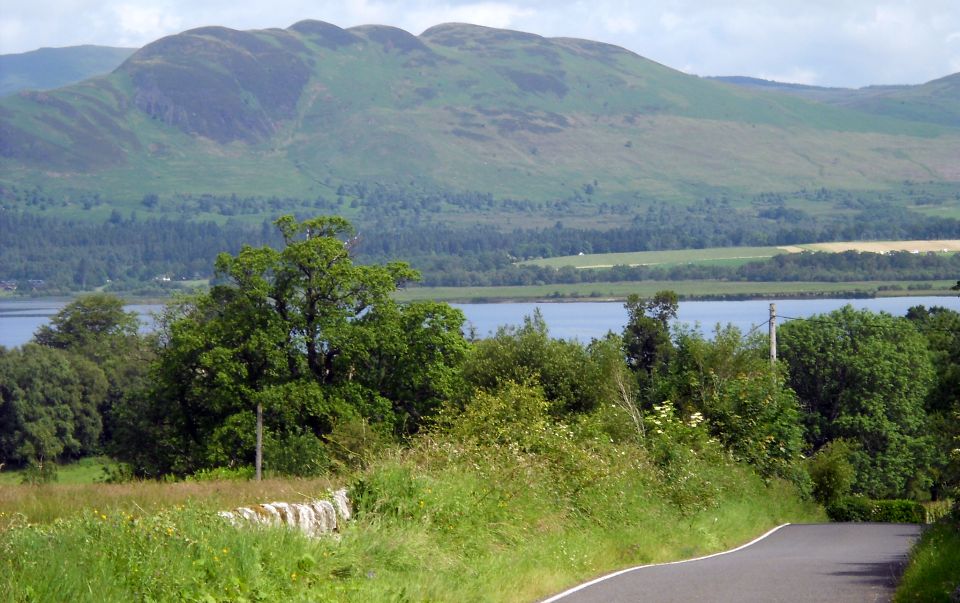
(631, 569)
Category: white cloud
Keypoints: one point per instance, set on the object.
(796, 75)
(138, 23)
(670, 21)
(490, 14)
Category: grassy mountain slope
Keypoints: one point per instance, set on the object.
(298, 111)
(935, 102)
(48, 68)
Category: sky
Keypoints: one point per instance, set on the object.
(849, 43)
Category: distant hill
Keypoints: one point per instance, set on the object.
(934, 102)
(303, 110)
(49, 68)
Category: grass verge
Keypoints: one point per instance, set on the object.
(934, 570)
(437, 521)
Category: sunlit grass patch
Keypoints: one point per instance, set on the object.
(441, 520)
(48, 502)
(934, 570)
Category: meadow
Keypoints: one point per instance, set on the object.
(732, 256)
(438, 521)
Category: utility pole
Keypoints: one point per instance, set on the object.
(773, 334)
(258, 462)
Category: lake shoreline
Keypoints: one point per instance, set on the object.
(686, 291)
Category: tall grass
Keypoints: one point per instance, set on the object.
(440, 520)
(933, 573)
(50, 502)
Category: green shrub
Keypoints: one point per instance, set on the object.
(218, 474)
(299, 453)
(117, 473)
(354, 443)
(38, 472)
(392, 492)
(857, 508)
(831, 472)
(850, 508)
(898, 511)
(565, 372)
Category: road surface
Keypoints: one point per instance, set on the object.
(837, 562)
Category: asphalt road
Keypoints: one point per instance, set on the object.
(837, 562)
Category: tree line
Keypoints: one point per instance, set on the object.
(130, 251)
(806, 266)
(298, 361)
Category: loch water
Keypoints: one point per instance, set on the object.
(19, 319)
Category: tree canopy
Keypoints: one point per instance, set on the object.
(864, 377)
(304, 336)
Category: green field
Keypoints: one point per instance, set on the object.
(686, 289)
(85, 471)
(731, 256)
(714, 255)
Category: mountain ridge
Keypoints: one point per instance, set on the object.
(460, 107)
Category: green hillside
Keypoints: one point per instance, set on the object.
(935, 102)
(300, 111)
(48, 68)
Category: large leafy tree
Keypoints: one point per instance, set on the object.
(97, 328)
(864, 377)
(410, 354)
(48, 405)
(646, 336)
(94, 325)
(941, 327)
(301, 337)
(527, 354)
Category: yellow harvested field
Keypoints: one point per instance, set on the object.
(950, 245)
